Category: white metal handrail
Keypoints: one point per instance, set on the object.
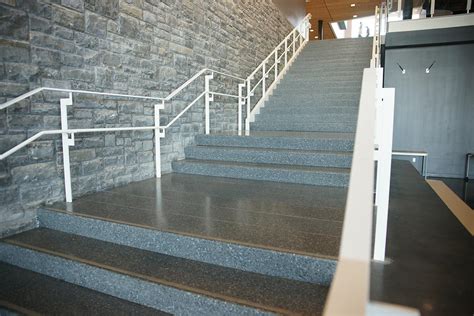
(299, 37)
(68, 135)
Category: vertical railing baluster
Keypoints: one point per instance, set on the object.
(264, 75)
(158, 139)
(286, 51)
(247, 118)
(276, 64)
(294, 43)
(67, 142)
(208, 99)
(241, 102)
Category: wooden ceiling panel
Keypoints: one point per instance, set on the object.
(337, 10)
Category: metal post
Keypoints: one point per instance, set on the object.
(157, 139)
(247, 118)
(241, 102)
(209, 98)
(264, 75)
(384, 165)
(67, 142)
(276, 64)
(432, 9)
(286, 51)
(468, 6)
(294, 43)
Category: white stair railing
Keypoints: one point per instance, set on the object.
(68, 135)
(350, 288)
(291, 45)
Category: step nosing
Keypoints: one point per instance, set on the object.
(315, 256)
(145, 278)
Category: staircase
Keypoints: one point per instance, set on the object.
(200, 245)
(305, 132)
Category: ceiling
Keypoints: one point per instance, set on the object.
(336, 10)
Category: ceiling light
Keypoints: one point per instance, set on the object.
(316, 36)
(311, 30)
(353, 4)
(354, 16)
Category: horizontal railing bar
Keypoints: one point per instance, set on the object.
(169, 97)
(37, 90)
(74, 131)
(185, 109)
(224, 94)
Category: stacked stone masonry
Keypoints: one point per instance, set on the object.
(141, 47)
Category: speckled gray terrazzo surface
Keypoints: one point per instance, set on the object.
(251, 289)
(25, 291)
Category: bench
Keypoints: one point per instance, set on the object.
(468, 158)
(422, 154)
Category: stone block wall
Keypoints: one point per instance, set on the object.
(140, 47)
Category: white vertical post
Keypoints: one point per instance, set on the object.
(468, 6)
(399, 9)
(432, 9)
(385, 107)
(241, 102)
(208, 98)
(276, 64)
(67, 142)
(264, 77)
(247, 118)
(157, 139)
(286, 51)
(294, 43)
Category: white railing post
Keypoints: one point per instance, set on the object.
(67, 142)
(247, 118)
(294, 43)
(276, 64)
(157, 138)
(468, 6)
(241, 102)
(209, 97)
(432, 9)
(264, 77)
(286, 51)
(384, 135)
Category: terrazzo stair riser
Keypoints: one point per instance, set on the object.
(314, 126)
(314, 115)
(283, 102)
(297, 143)
(127, 287)
(335, 75)
(231, 255)
(257, 155)
(305, 88)
(315, 97)
(307, 70)
(267, 172)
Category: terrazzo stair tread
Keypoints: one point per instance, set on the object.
(273, 156)
(316, 96)
(282, 102)
(311, 110)
(258, 196)
(282, 139)
(313, 126)
(269, 172)
(26, 292)
(321, 81)
(141, 211)
(334, 75)
(308, 89)
(260, 292)
(313, 116)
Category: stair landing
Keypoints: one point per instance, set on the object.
(291, 218)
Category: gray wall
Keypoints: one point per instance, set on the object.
(146, 47)
(434, 112)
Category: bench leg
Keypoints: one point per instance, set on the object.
(466, 172)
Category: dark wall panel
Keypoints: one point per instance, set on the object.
(434, 111)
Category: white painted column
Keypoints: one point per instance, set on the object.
(158, 139)
(208, 99)
(241, 102)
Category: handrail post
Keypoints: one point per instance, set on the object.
(286, 52)
(209, 98)
(294, 43)
(67, 142)
(264, 76)
(276, 64)
(468, 6)
(247, 118)
(432, 8)
(239, 114)
(157, 138)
